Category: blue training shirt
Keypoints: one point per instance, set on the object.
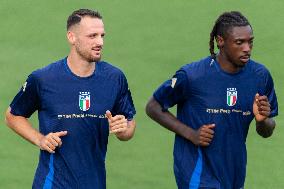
(205, 94)
(66, 102)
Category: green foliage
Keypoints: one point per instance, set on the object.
(149, 40)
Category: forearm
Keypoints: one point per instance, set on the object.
(23, 127)
(168, 120)
(265, 128)
(128, 133)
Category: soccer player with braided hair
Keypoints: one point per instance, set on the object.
(217, 98)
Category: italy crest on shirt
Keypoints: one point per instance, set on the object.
(84, 101)
(232, 95)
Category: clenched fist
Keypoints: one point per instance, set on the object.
(51, 141)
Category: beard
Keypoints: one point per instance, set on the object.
(239, 64)
(236, 62)
(84, 54)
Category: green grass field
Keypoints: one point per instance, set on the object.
(149, 40)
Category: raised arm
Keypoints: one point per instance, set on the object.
(261, 110)
(120, 126)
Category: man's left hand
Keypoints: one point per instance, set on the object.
(117, 124)
(261, 107)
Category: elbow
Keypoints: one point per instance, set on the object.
(8, 117)
(265, 135)
(153, 109)
(265, 132)
(125, 136)
(124, 139)
(150, 107)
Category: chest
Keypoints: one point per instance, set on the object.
(216, 93)
(75, 97)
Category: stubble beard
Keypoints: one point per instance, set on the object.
(236, 63)
(87, 56)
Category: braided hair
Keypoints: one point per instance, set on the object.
(225, 22)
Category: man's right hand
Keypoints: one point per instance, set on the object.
(204, 135)
(51, 141)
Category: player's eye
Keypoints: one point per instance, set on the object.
(239, 42)
(251, 42)
(92, 36)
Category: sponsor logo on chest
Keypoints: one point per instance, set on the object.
(232, 96)
(84, 101)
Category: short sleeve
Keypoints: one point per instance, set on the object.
(26, 102)
(124, 103)
(172, 91)
(269, 91)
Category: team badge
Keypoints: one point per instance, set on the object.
(84, 101)
(232, 96)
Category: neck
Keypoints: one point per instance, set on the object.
(80, 66)
(225, 64)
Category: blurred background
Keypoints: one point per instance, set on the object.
(149, 40)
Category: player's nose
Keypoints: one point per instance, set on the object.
(247, 48)
(100, 41)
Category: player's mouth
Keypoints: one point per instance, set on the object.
(97, 50)
(245, 58)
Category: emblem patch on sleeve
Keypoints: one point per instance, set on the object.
(174, 80)
(25, 86)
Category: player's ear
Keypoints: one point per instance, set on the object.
(71, 37)
(220, 41)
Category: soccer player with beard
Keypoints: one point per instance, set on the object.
(217, 98)
(80, 100)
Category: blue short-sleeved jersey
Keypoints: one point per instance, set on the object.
(205, 94)
(66, 102)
